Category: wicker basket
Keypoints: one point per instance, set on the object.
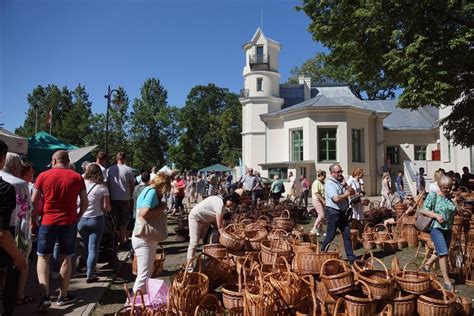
(267, 268)
(188, 289)
(254, 237)
(379, 281)
(232, 294)
(209, 305)
(463, 306)
(358, 303)
(308, 305)
(368, 232)
(277, 234)
(272, 249)
(436, 303)
(215, 250)
(233, 237)
(258, 297)
(368, 244)
(390, 244)
(284, 221)
(157, 264)
(311, 262)
(340, 302)
(219, 271)
(287, 284)
(380, 231)
(327, 300)
(358, 265)
(337, 276)
(413, 281)
(301, 246)
(404, 304)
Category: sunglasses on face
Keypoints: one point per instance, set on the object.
(340, 171)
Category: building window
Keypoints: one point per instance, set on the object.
(357, 145)
(327, 144)
(259, 54)
(259, 84)
(303, 171)
(281, 172)
(297, 145)
(420, 152)
(392, 154)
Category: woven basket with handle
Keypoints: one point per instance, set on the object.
(337, 276)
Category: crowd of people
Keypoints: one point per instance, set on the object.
(62, 204)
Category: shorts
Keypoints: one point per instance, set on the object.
(441, 239)
(122, 212)
(65, 234)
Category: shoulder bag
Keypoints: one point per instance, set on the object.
(155, 229)
(423, 222)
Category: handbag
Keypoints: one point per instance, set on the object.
(423, 222)
(155, 229)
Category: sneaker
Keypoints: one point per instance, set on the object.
(425, 268)
(449, 287)
(45, 304)
(65, 300)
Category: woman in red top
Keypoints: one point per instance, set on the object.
(178, 188)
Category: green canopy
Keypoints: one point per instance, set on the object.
(217, 168)
(41, 147)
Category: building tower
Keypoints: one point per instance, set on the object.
(261, 94)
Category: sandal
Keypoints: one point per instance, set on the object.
(25, 300)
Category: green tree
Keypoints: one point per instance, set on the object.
(210, 126)
(321, 70)
(119, 127)
(76, 123)
(152, 125)
(424, 47)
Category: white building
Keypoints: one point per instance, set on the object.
(304, 127)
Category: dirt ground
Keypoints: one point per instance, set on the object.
(176, 248)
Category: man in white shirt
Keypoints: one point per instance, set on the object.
(101, 160)
(206, 212)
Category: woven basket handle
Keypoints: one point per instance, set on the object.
(389, 236)
(198, 258)
(279, 232)
(378, 225)
(162, 251)
(287, 213)
(407, 264)
(371, 259)
(309, 280)
(368, 225)
(343, 263)
(134, 301)
(367, 254)
(264, 218)
(338, 303)
(335, 245)
(368, 289)
(288, 268)
(445, 296)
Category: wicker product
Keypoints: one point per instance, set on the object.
(298, 230)
(404, 304)
(368, 244)
(241, 254)
(157, 264)
(272, 249)
(275, 267)
(379, 281)
(436, 303)
(358, 303)
(300, 246)
(413, 281)
(277, 234)
(210, 305)
(287, 284)
(254, 237)
(368, 232)
(358, 265)
(325, 298)
(463, 306)
(284, 221)
(337, 308)
(232, 294)
(354, 233)
(308, 305)
(410, 232)
(380, 231)
(390, 244)
(311, 262)
(378, 243)
(232, 237)
(188, 288)
(337, 276)
(219, 271)
(215, 250)
(133, 309)
(395, 266)
(259, 299)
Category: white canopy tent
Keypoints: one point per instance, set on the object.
(165, 169)
(16, 144)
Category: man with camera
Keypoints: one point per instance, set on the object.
(338, 212)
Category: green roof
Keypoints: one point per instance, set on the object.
(217, 167)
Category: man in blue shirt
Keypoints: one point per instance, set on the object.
(337, 194)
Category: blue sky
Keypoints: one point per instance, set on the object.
(123, 42)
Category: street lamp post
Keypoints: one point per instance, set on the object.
(108, 96)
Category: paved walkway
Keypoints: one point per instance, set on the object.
(87, 294)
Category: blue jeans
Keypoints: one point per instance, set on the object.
(338, 219)
(441, 239)
(91, 230)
